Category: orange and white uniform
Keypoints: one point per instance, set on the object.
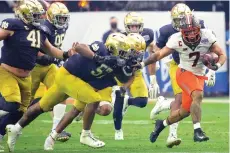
(191, 72)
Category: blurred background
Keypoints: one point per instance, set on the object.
(94, 20)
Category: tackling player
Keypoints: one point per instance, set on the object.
(133, 23)
(45, 69)
(95, 82)
(177, 12)
(192, 43)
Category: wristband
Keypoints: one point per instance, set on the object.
(65, 55)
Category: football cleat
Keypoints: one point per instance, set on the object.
(12, 137)
(88, 139)
(173, 141)
(162, 104)
(199, 135)
(119, 135)
(158, 128)
(49, 143)
(63, 136)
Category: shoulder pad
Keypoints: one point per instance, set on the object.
(12, 24)
(45, 27)
(124, 32)
(99, 48)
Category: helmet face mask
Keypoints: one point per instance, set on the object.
(190, 30)
(58, 15)
(133, 23)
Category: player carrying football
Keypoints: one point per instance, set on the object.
(89, 85)
(192, 43)
(177, 12)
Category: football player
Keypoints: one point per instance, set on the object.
(89, 85)
(23, 38)
(177, 12)
(133, 23)
(45, 69)
(192, 43)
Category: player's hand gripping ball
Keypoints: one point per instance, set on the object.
(210, 60)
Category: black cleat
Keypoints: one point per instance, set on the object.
(63, 136)
(199, 136)
(158, 128)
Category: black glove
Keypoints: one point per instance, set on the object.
(58, 62)
(45, 60)
(214, 66)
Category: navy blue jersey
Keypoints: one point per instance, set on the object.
(97, 75)
(164, 33)
(54, 35)
(20, 50)
(147, 34)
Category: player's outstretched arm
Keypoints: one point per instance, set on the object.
(83, 50)
(55, 52)
(5, 33)
(157, 56)
(221, 54)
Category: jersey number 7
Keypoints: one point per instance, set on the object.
(197, 57)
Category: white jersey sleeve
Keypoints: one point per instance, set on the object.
(173, 42)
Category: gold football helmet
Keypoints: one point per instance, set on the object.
(30, 12)
(177, 13)
(117, 45)
(136, 42)
(58, 15)
(133, 23)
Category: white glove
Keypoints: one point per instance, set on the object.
(153, 87)
(211, 78)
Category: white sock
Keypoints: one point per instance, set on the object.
(173, 129)
(165, 123)
(18, 127)
(59, 112)
(85, 131)
(196, 126)
(54, 134)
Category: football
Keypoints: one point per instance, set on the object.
(209, 58)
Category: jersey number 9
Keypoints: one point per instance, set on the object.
(35, 38)
(101, 71)
(58, 40)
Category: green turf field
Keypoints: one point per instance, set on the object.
(137, 127)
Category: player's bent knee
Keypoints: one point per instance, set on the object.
(105, 108)
(36, 100)
(197, 96)
(143, 101)
(8, 106)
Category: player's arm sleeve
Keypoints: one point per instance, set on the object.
(172, 42)
(7, 28)
(162, 39)
(151, 37)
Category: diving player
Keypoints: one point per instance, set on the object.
(23, 39)
(133, 23)
(177, 12)
(45, 69)
(95, 82)
(192, 43)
